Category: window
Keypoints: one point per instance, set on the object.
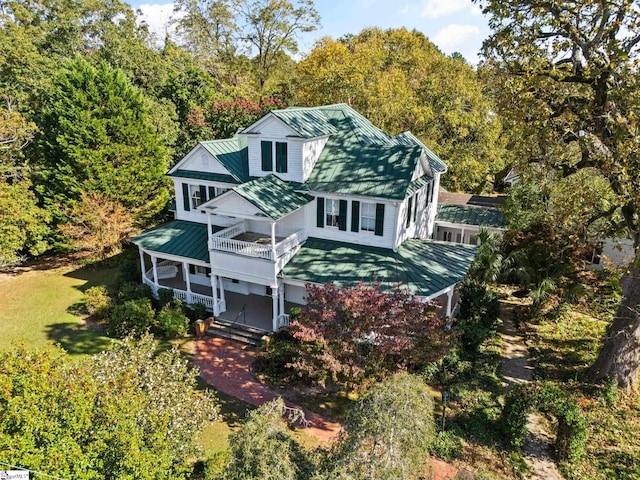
(198, 195)
(332, 212)
(368, 217)
(202, 270)
(269, 150)
(281, 157)
(220, 190)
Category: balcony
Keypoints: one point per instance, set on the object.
(236, 239)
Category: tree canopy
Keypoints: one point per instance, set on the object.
(125, 413)
(570, 85)
(400, 81)
(97, 137)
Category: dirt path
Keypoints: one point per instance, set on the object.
(516, 369)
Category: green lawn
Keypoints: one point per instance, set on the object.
(37, 308)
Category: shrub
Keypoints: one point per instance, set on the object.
(195, 311)
(165, 296)
(479, 310)
(98, 302)
(133, 317)
(129, 271)
(173, 322)
(546, 398)
(276, 357)
(447, 446)
(134, 291)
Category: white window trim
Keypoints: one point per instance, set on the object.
(368, 217)
(334, 213)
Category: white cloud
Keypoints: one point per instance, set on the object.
(442, 8)
(455, 36)
(158, 17)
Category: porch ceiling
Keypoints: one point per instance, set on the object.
(424, 267)
(179, 238)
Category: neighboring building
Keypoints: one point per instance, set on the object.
(302, 195)
(461, 216)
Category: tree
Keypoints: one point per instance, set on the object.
(401, 81)
(125, 413)
(359, 334)
(570, 83)
(271, 27)
(98, 138)
(263, 449)
(97, 225)
(389, 431)
(23, 225)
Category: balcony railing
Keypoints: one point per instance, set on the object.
(224, 241)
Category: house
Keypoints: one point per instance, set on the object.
(303, 195)
(461, 216)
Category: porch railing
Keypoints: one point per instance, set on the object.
(283, 320)
(224, 241)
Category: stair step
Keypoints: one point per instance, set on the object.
(239, 333)
(240, 326)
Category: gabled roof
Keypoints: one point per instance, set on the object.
(307, 122)
(269, 194)
(232, 153)
(197, 175)
(465, 215)
(424, 267)
(179, 238)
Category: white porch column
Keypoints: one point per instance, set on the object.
(449, 299)
(462, 235)
(209, 230)
(222, 299)
(154, 262)
(281, 297)
(274, 296)
(185, 269)
(142, 267)
(273, 241)
(214, 293)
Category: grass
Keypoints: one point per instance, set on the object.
(38, 308)
(564, 346)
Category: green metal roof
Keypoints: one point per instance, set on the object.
(408, 138)
(424, 267)
(233, 154)
(418, 183)
(272, 196)
(307, 122)
(213, 177)
(465, 215)
(179, 238)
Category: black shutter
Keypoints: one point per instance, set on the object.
(203, 194)
(212, 193)
(320, 212)
(185, 197)
(192, 269)
(342, 216)
(409, 206)
(267, 156)
(281, 157)
(379, 219)
(355, 216)
(415, 208)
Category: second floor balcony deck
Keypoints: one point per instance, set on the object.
(236, 239)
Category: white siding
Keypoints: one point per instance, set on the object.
(233, 204)
(200, 160)
(311, 151)
(248, 269)
(294, 157)
(295, 294)
(362, 237)
(271, 126)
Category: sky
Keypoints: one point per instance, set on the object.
(453, 25)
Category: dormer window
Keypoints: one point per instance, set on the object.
(269, 150)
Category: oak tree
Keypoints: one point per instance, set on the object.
(570, 83)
